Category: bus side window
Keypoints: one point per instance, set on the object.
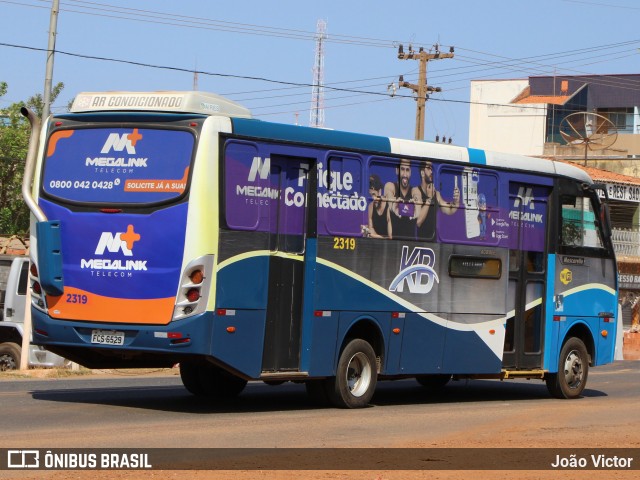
(341, 194)
(24, 279)
(579, 226)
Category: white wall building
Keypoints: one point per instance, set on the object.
(499, 123)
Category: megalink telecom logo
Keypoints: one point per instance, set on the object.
(525, 195)
(114, 244)
(119, 143)
(120, 241)
(259, 168)
(416, 270)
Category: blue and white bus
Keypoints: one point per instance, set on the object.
(171, 227)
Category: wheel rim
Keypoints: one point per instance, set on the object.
(7, 363)
(573, 369)
(358, 374)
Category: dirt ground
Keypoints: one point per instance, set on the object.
(512, 436)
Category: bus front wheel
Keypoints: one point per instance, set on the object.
(356, 376)
(573, 370)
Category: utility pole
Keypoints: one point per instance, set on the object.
(421, 90)
(48, 78)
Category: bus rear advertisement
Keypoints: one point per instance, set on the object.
(179, 230)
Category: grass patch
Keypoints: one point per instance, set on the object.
(45, 373)
(35, 373)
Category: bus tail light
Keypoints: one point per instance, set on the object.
(193, 292)
(196, 277)
(193, 295)
(37, 296)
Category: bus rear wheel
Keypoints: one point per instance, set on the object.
(210, 381)
(220, 384)
(573, 370)
(190, 376)
(356, 376)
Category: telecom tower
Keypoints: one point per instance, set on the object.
(316, 117)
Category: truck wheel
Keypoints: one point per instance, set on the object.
(9, 356)
(573, 370)
(356, 376)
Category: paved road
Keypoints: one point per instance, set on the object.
(158, 412)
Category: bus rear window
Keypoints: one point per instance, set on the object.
(118, 165)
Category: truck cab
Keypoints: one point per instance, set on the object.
(14, 281)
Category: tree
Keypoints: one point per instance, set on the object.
(14, 143)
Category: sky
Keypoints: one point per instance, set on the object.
(262, 53)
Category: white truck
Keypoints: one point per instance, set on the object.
(14, 281)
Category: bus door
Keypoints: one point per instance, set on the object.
(290, 219)
(528, 217)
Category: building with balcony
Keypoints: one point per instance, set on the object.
(526, 116)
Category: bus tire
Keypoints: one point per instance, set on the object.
(190, 376)
(573, 370)
(220, 384)
(9, 356)
(356, 376)
(433, 382)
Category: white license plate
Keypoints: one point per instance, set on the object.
(107, 337)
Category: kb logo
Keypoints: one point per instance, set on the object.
(416, 270)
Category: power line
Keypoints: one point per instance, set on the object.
(262, 79)
(163, 18)
(299, 34)
(186, 70)
(599, 4)
(216, 74)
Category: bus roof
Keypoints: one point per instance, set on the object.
(163, 101)
(412, 148)
(205, 103)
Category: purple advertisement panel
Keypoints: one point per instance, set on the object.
(264, 192)
(342, 205)
(119, 268)
(429, 201)
(118, 165)
(290, 178)
(268, 192)
(528, 216)
(248, 190)
(266, 189)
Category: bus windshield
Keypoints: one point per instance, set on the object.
(117, 165)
